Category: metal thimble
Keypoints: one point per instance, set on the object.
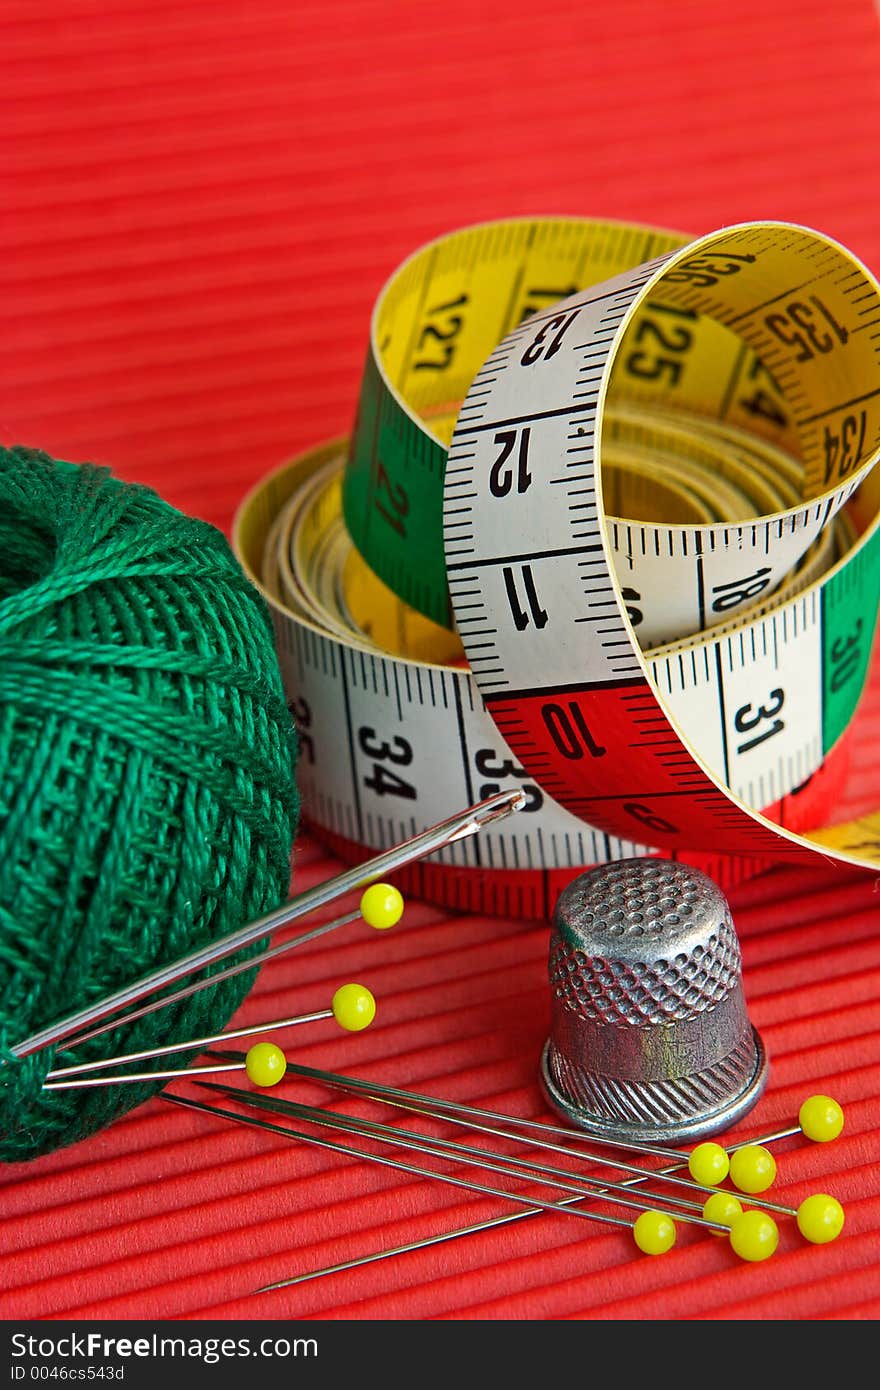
(650, 1039)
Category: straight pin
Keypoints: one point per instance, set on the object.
(353, 1007)
(382, 1160)
(458, 827)
(381, 906)
(476, 1228)
(377, 1091)
(464, 1153)
(84, 1081)
(820, 1118)
(195, 1044)
(287, 1107)
(227, 974)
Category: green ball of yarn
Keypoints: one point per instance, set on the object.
(147, 756)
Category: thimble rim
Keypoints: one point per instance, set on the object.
(698, 1126)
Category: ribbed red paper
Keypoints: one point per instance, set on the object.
(199, 205)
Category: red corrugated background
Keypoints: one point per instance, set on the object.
(199, 204)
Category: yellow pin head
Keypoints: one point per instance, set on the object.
(708, 1164)
(754, 1236)
(381, 906)
(654, 1232)
(821, 1118)
(722, 1207)
(354, 1007)
(265, 1064)
(752, 1168)
(820, 1218)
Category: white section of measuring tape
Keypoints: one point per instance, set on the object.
(780, 652)
(563, 408)
(691, 578)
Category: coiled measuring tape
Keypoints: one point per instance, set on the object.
(653, 536)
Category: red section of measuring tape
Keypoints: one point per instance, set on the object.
(206, 200)
(600, 740)
(581, 744)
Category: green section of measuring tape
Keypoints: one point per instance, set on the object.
(436, 321)
(849, 613)
(393, 497)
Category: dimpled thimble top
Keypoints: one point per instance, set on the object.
(642, 941)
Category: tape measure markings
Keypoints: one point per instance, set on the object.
(518, 646)
(744, 662)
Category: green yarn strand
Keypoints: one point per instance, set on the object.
(147, 757)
